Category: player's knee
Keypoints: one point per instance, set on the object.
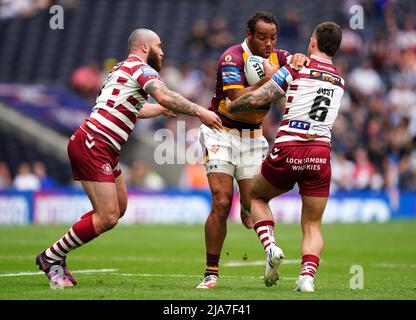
(222, 205)
(109, 221)
(112, 221)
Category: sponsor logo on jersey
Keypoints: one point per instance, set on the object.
(117, 66)
(231, 74)
(280, 76)
(325, 67)
(148, 71)
(325, 76)
(228, 63)
(302, 125)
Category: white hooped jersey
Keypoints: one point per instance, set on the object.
(313, 98)
(120, 100)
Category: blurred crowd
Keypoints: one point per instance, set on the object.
(140, 175)
(374, 137)
(28, 177)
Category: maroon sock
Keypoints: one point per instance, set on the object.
(84, 230)
(310, 264)
(86, 215)
(213, 261)
(265, 232)
(80, 233)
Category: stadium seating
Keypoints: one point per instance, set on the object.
(98, 29)
(15, 149)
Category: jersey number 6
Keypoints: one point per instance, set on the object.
(319, 112)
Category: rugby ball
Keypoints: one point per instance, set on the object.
(253, 69)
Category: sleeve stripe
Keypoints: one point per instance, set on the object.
(233, 86)
(278, 87)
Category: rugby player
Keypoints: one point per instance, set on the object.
(94, 148)
(301, 153)
(236, 151)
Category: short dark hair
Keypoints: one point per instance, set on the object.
(329, 36)
(266, 16)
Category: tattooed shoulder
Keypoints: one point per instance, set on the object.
(156, 85)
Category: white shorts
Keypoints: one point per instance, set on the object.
(237, 153)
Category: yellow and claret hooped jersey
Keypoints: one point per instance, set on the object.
(230, 75)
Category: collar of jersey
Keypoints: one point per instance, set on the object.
(131, 54)
(245, 47)
(321, 59)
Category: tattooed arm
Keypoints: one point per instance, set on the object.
(150, 110)
(255, 99)
(170, 99)
(177, 103)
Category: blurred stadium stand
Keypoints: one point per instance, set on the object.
(44, 60)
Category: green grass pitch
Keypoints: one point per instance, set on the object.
(166, 262)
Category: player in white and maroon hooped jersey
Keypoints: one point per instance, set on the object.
(313, 98)
(121, 100)
(94, 148)
(301, 153)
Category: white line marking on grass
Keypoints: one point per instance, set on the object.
(21, 274)
(18, 274)
(193, 276)
(113, 271)
(394, 265)
(15, 257)
(95, 270)
(257, 263)
(157, 275)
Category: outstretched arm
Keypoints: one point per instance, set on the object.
(151, 110)
(179, 104)
(255, 99)
(171, 99)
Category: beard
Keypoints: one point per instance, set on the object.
(154, 61)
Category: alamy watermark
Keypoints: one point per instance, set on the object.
(357, 280)
(56, 282)
(193, 146)
(357, 18)
(182, 149)
(57, 20)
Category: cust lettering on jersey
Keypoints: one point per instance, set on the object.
(326, 92)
